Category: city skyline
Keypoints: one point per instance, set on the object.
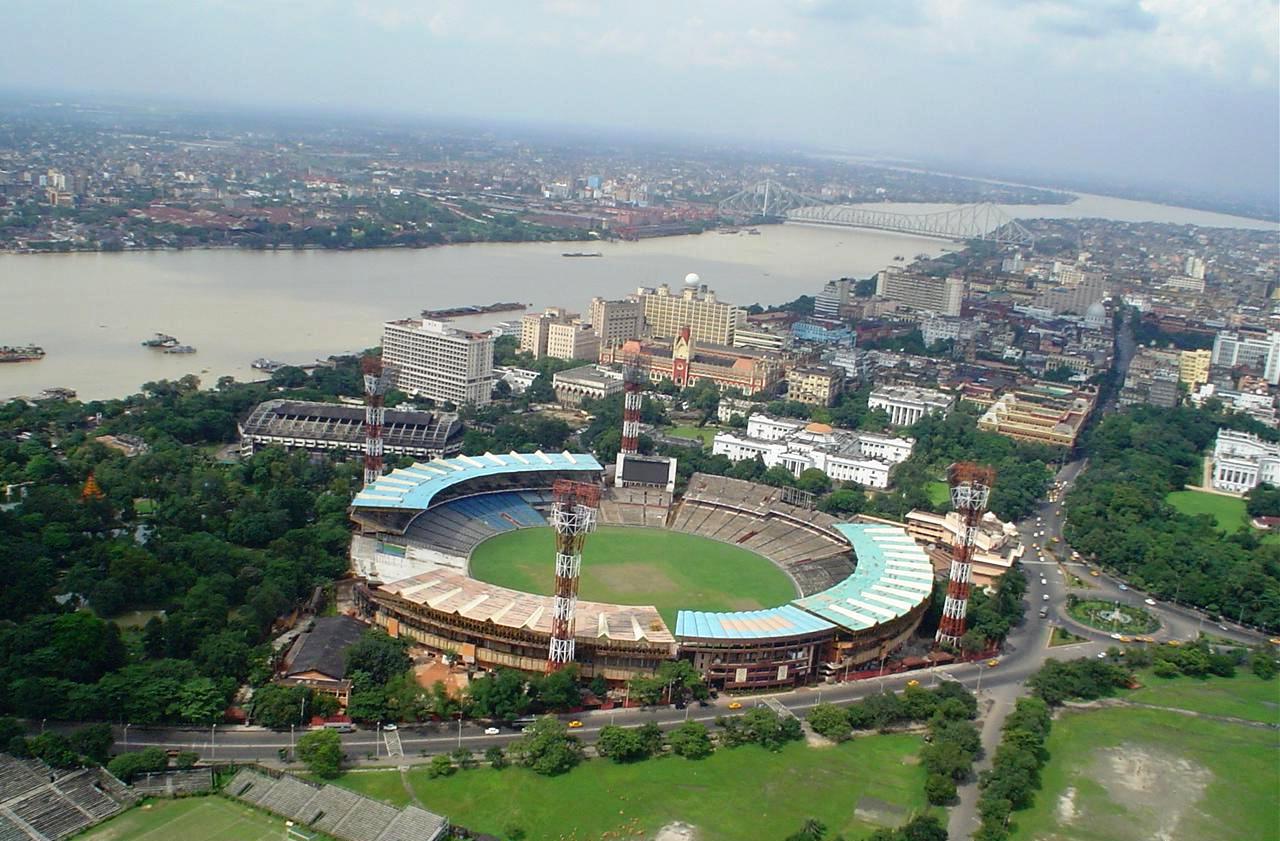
(1139, 94)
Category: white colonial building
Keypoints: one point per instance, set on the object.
(844, 455)
(1241, 460)
(907, 404)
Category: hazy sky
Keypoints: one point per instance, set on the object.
(1172, 91)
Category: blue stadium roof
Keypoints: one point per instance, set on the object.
(749, 624)
(892, 578)
(414, 487)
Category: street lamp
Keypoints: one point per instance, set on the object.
(213, 732)
(459, 730)
(377, 736)
(290, 739)
(126, 736)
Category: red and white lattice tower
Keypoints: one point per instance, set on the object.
(376, 380)
(573, 516)
(970, 491)
(632, 379)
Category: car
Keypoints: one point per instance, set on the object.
(1222, 627)
(1094, 573)
(1044, 612)
(1274, 640)
(992, 663)
(1115, 636)
(390, 726)
(1173, 643)
(735, 705)
(1045, 597)
(491, 731)
(1124, 586)
(1102, 655)
(575, 724)
(526, 730)
(1043, 582)
(912, 683)
(1124, 638)
(1149, 601)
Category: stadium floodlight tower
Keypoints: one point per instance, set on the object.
(632, 379)
(573, 516)
(377, 378)
(970, 491)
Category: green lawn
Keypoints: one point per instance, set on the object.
(1228, 511)
(1129, 774)
(1244, 696)
(939, 494)
(191, 819)
(1100, 614)
(734, 794)
(624, 565)
(706, 433)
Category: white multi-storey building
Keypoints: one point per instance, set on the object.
(435, 360)
(921, 292)
(1242, 460)
(906, 404)
(709, 320)
(1257, 352)
(844, 455)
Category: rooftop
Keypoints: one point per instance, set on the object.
(323, 649)
(414, 487)
(749, 624)
(451, 591)
(892, 578)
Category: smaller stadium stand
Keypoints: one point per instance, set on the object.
(38, 803)
(174, 782)
(334, 811)
(458, 526)
(635, 507)
(804, 543)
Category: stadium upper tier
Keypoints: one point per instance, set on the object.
(417, 487)
(893, 578)
(773, 623)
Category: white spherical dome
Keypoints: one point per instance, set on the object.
(692, 279)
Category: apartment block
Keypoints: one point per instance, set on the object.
(435, 360)
(921, 292)
(709, 320)
(616, 322)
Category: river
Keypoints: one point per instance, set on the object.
(91, 311)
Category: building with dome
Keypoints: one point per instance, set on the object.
(845, 455)
(1095, 318)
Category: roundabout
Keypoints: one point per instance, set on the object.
(631, 565)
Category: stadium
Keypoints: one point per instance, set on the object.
(850, 593)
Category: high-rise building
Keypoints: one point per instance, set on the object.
(572, 340)
(616, 322)
(1261, 353)
(696, 307)
(535, 329)
(921, 292)
(435, 360)
(834, 296)
(1194, 267)
(1193, 366)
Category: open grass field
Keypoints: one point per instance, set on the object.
(191, 819)
(1244, 696)
(704, 433)
(734, 794)
(1228, 511)
(1131, 774)
(939, 493)
(626, 565)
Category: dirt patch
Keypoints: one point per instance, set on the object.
(634, 578)
(874, 810)
(1067, 806)
(1147, 794)
(677, 832)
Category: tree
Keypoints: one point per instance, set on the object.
(94, 742)
(279, 706)
(502, 695)
(939, 789)
(621, 744)
(690, 740)
(321, 750)
(548, 749)
(464, 757)
(812, 830)
(830, 721)
(559, 690)
(440, 766)
(379, 656)
(814, 481)
(495, 757)
(127, 766)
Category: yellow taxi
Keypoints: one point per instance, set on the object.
(1094, 573)
(1123, 638)
(735, 705)
(1275, 640)
(1174, 643)
(912, 683)
(575, 724)
(992, 663)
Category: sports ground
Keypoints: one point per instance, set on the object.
(1135, 773)
(192, 819)
(628, 565)
(733, 794)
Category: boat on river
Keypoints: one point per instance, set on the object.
(22, 353)
(161, 340)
